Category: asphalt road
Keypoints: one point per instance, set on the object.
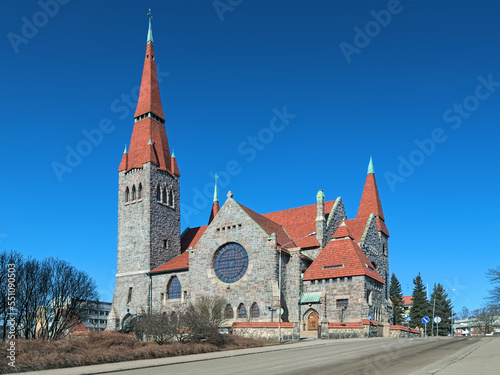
(374, 356)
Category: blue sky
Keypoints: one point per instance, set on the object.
(413, 83)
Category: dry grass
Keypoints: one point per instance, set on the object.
(104, 348)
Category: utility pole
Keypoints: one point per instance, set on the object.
(433, 311)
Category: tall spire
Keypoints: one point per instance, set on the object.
(215, 205)
(149, 104)
(149, 141)
(370, 200)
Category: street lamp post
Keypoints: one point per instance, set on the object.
(279, 281)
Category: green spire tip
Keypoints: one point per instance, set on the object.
(150, 31)
(216, 192)
(371, 170)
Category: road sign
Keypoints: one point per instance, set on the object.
(437, 320)
(425, 320)
(369, 316)
(408, 318)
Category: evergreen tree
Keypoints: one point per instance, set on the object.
(443, 310)
(396, 296)
(420, 305)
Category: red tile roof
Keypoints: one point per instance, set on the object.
(149, 95)
(299, 222)
(371, 322)
(149, 141)
(179, 263)
(191, 237)
(342, 232)
(370, 200)
(356, 228)
(407, 300)
(345, 253)
(215, 210)
(270, 227)
(403, 328)
(370, 204)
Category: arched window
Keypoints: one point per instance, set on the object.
(228, 312)
(174, 288)
(170, 198)
(139, 193)
(127, 193)
(254, 310)
(164, 195)
(133, 192)
(242, 311)
(158, 193)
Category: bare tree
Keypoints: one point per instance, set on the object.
(485, 319)
(197, 322)
(51, 296)
(72, 296)
(494, 294)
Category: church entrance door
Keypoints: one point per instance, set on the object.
(312, 321)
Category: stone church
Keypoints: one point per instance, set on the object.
(312, 261)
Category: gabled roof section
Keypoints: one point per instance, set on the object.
(269, 227)
(342, 232)
(191, 236)
(356, 228)
(341, 258)
(299, 222)
(179, 263)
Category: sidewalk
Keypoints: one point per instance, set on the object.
(485, 360)
(144, 363)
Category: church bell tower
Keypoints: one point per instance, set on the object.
(148, 202)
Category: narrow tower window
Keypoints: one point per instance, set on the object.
(158, 193)
(170, 198)
(127, 193)
(164, 195)
(139, 193)
(133, 192)
(129, 298)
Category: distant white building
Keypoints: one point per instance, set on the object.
(98, 317)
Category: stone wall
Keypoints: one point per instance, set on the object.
(259, 284)
(267, 330)
(375, 246)
(402, 332)
(148, 235)
(354, 290)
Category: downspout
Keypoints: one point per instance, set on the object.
(150, 299)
